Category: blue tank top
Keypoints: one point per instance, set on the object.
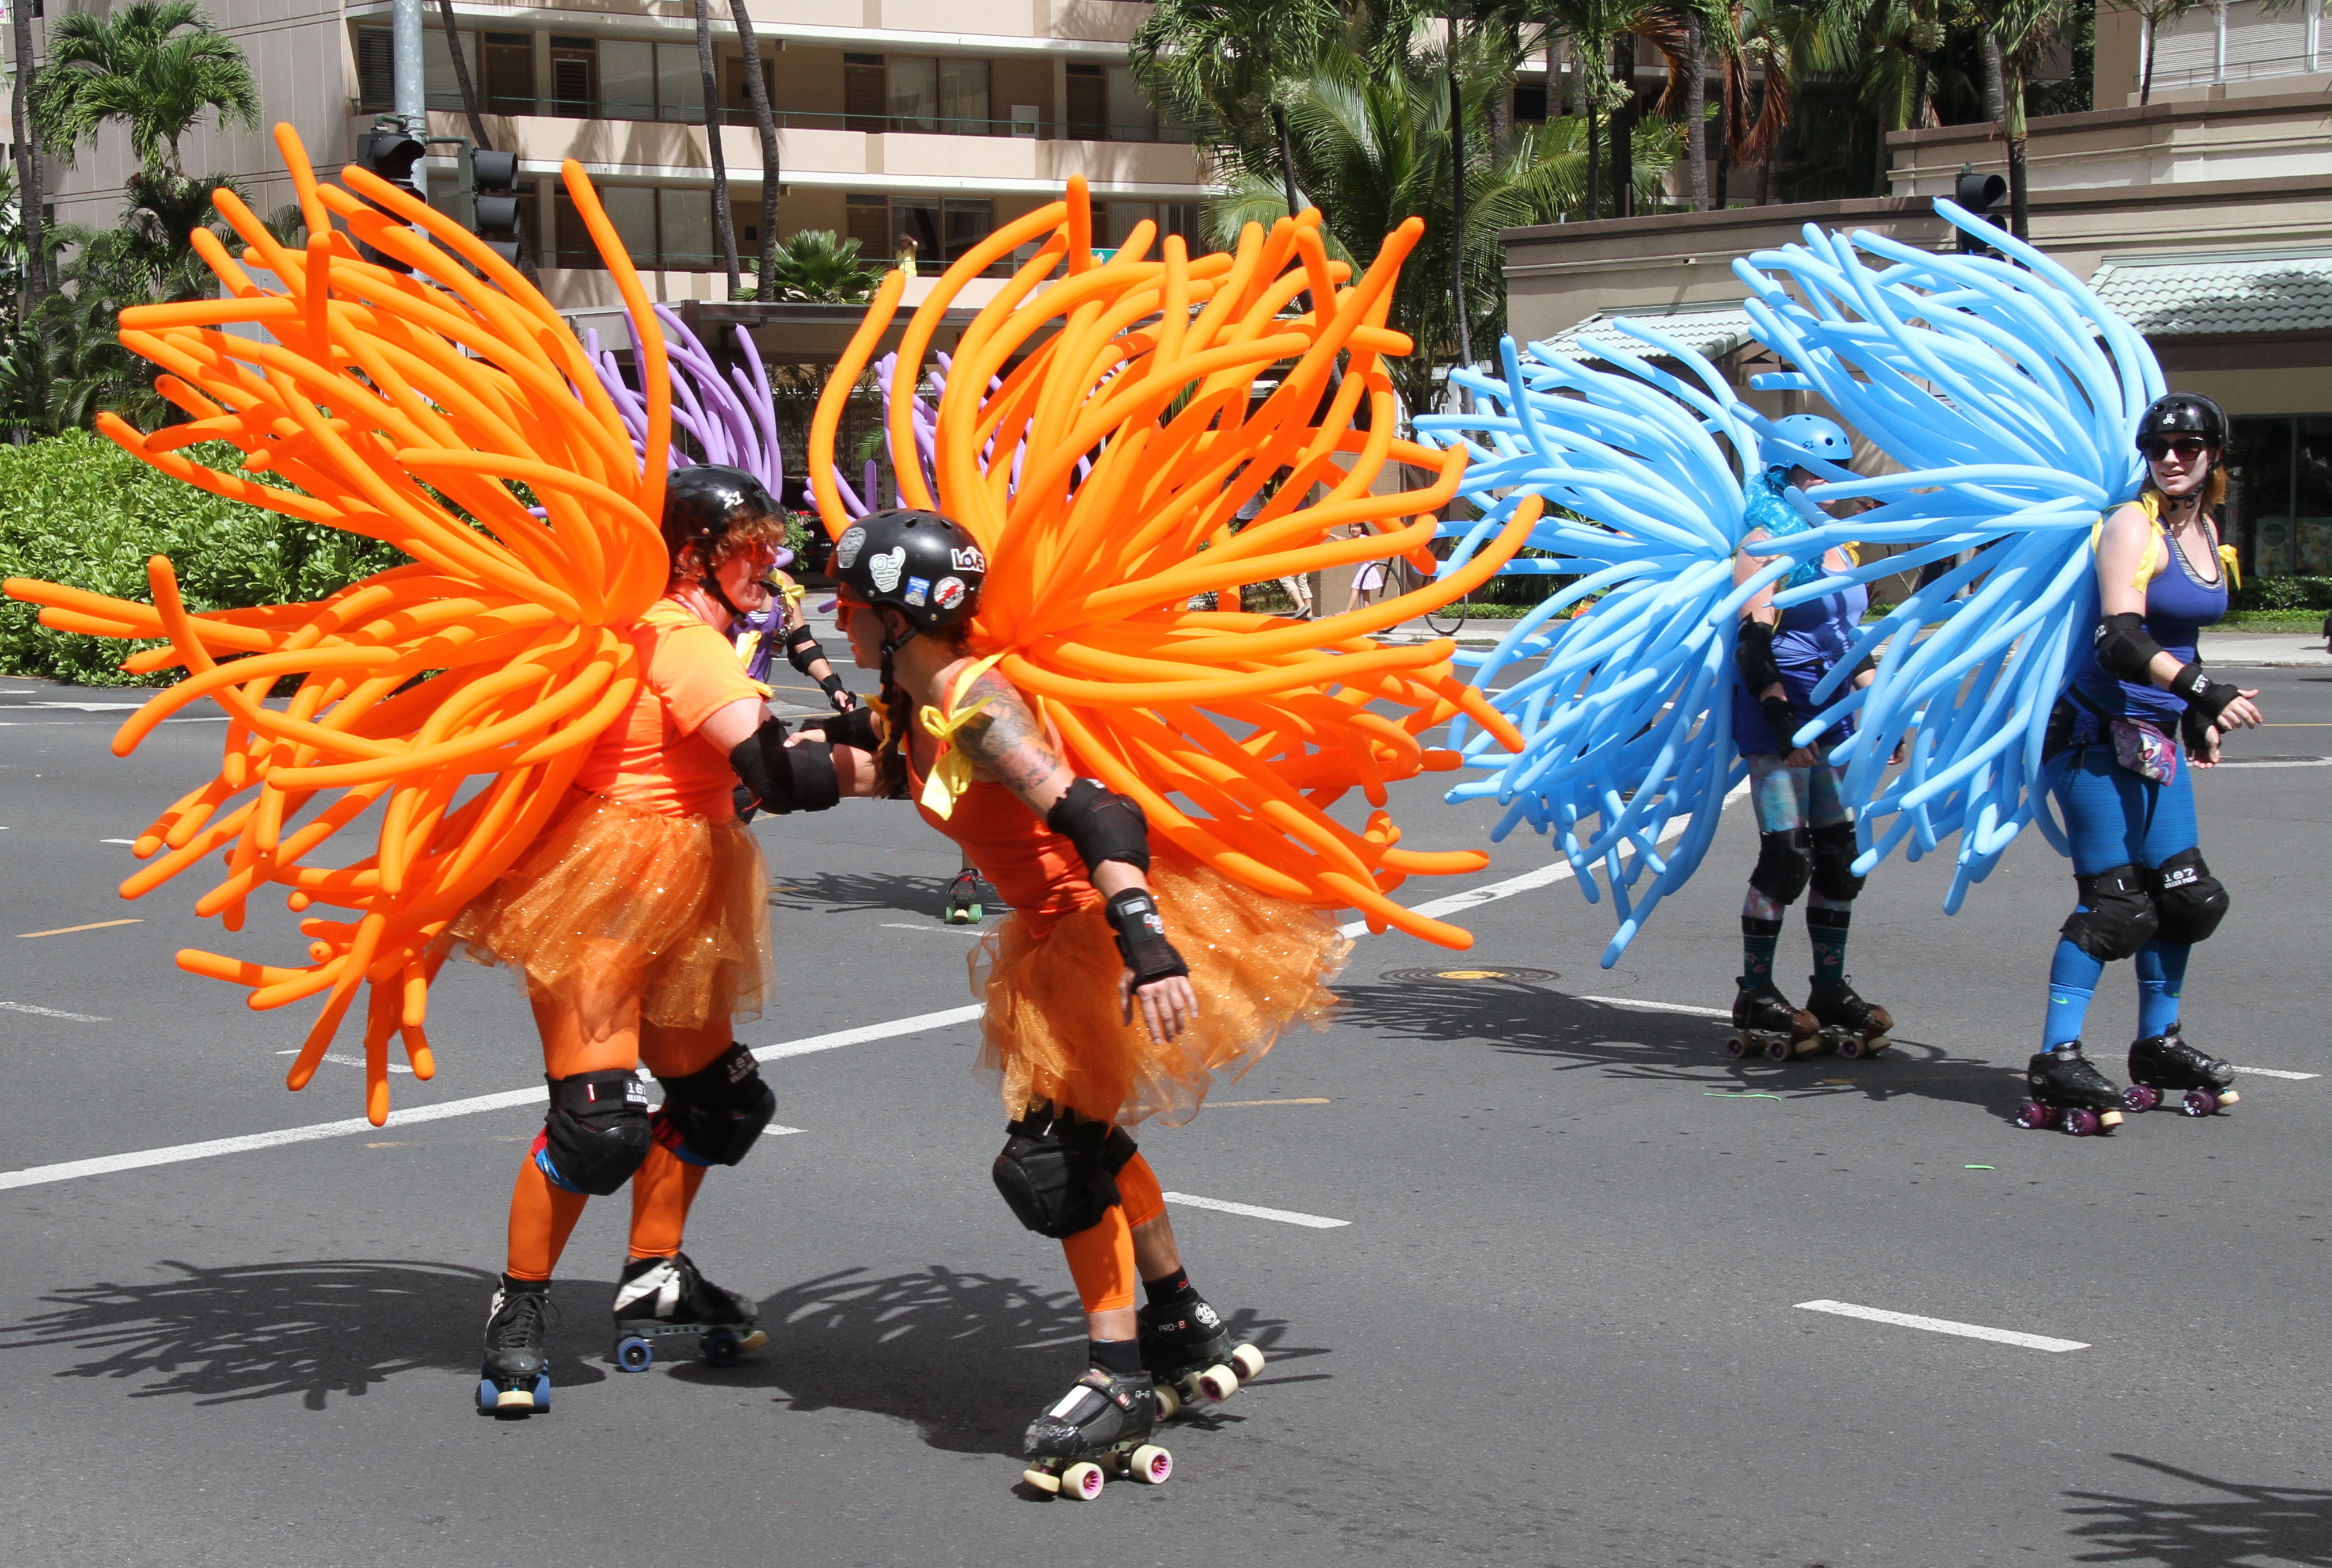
(1811, 639)
(2178, 606)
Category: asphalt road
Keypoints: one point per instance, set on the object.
(1560, 1325)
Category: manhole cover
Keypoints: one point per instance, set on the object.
(1461, 974)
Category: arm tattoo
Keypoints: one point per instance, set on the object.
(1004, 738)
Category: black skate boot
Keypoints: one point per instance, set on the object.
(1764, 1023)
(963, 898)
(1101, 1425)
(1849, 1026)
(665, 1296)
(2069, 1093)
(1188, 1353)
(2162, 1064)
(515, 1379)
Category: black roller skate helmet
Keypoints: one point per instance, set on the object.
(2183, 413)
(924, 566)
(703, 504)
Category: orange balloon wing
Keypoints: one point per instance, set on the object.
(459, 693)
(1190, 382)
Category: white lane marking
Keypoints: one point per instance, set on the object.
(2276, 762)
(774, 1130)
(129, 841)
(343, 1059)
(1544, 876)
(944, 929)
(94, 1018)
(86, 707)
(1698, 1012)
(1945, 1325)
(1284, 1216)
(2278, 1073)
(178, 1152)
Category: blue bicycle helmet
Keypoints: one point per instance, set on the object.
(1799, 436)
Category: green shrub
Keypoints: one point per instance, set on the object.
(2285, 593)
(77, 509)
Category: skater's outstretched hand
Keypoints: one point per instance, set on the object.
(1168, 1006)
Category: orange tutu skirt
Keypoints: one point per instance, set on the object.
(1053, 1032)
(681, 901)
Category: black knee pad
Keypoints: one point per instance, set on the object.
(2189, 900)
(597, 1133)
(2121, 915)
(1785, 861)
(1058, 1171)
(1834, 856)
(714, 1115)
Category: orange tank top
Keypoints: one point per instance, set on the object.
(652, 756)
(1037, 872)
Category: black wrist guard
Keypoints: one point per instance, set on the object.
(2124, 649)
(2195, 731)
(802, 650)
(1141, 937)
(1780, 718)
(784, 778)
(837, 693)
(1752, 655)
(2204, 695)
(1101, 824)
(854, 729)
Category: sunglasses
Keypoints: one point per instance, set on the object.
(2187, 448)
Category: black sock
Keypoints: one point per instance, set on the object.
(1827, 929)
(1759, 937)
(1162, 1291)
(1118, 1357)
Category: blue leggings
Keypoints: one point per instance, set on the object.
(2117, 818)
(1791, 798)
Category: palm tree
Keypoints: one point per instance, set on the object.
(814, 268)
(28, 165)
(1215, 63)
(720, 223)
(1370, 141)
(2152, 14)
(2021, 34)
(158, 66)
(766, 123)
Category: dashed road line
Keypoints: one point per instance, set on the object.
(1945, 1325)
(1234, 1104)
(1284, 1216)
(69, 930)
(54, 1013)
(1652, 1007)
(2277, 1073)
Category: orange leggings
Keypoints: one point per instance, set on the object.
(586, 1039)
(1101, 1256)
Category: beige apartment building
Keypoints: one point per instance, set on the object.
(2203, 215)
(934, 120)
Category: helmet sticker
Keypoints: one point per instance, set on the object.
(919, 590)
(846, 548)
(885, 568)
(948, 593)
(968, 558)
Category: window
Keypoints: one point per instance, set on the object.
(574, 77)
(689, 244)
(869, 223)
(680, 85)
(376, 69)
(627, 80)
(937, 95)
(1130, 116)
(1088, 103)
(2280, 494)
(662, 230)
(438, 81)
(943, 228)
(509, 60)
(864, 93)
(1530, 104)
(1172, 219)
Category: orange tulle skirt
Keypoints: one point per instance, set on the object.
(1053, 1034)
(677, 906)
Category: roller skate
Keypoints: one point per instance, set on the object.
(658, 1296)
(1765, 1024)
(515, 1379)
(1189, 1353)
(1849, 1026)
(1101, 1427)
(963, 898)
(2070, 1093)
(2161, 1064)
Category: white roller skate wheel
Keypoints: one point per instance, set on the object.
(2110, 1119)
(1218, 1383)
(1170, 1400)
(1043, 1480)
(1248, 1361)
(2226, 1098)
(1082, 1480)
(515, 1400)
(1151, 1465)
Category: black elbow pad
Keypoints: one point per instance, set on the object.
(854, 729)
(1752, 655)
(802, 650)
(1101, 824)
(2125, 650)
(784, 779)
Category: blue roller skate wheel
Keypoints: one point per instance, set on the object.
(633, 1354)
(542, 1393)
(487, 1394)
(721, 1349)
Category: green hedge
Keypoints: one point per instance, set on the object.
(78, 509)
(2285, 593)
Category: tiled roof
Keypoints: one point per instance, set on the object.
(2232, 291)
(1712, 331)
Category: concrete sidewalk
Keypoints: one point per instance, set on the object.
(2270, 650)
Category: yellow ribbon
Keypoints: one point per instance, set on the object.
(951, 773)
(2150, 503)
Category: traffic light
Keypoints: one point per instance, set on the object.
(1978, 193)
(391, 154)
(492, 179)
